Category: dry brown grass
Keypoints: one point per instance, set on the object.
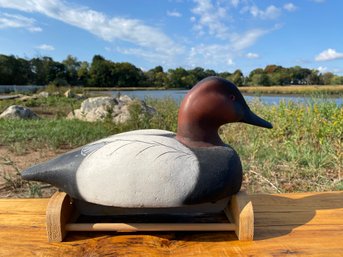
(313, 89)
(11, 183)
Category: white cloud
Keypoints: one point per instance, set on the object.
(18, 21)
(235, 3)
(46, 47)
(210, 56)
(271, 12)
(230, 62)
(328, 55)
(247, 39)
(209, 17)
(223, 55)
(252, 56)
(148, 54)
(108, 28)
(289, 7)
(174, 14)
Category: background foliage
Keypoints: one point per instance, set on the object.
(106, 73)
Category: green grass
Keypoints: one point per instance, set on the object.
(54, 133)
(62, 133)
(303, 152)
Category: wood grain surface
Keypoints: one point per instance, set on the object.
(304, 224)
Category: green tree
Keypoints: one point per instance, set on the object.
(100, 72)
(14, 71)
(198, 74)
(269, 69)
(254, 77)
(83, 74)
(260, 80)
(225, 75)
(336, 80)
(210, 73)
(237, 78)
(46, 70)
(6, 69)
(313, 78)
(127, 75)
(72, 65)
(24, 75)
(178, 78)
(298, 75)
(327, 78)
(156, 77)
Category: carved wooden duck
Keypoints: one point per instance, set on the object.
(158, 168)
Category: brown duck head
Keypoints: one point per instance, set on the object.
(209, 104)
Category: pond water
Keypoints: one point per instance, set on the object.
(19, 89)
(178, 95)
(266, 99)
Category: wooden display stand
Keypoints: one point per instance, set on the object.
(61, 218)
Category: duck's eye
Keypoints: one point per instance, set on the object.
(232, 97)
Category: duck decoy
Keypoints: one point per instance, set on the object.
(153, 168)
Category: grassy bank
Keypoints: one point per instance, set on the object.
(290, 90)
(303, 152)
(127, 88)
(295, 90)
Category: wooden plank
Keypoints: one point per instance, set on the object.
(58, 214)
(318, 231)
(240, 212)
(299, 218)
(297, 201)
(134, 227)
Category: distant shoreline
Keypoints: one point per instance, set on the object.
(251, 90)
(294, 90)
(272, 90)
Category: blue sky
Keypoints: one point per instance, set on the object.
(223, 35)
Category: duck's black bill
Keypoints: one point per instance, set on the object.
(253, 119)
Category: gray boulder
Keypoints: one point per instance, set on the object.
(18, 112)
(43, 94)
(116, 108)
(70, 94)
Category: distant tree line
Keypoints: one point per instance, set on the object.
(106, 73)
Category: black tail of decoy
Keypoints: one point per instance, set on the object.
(59, 172)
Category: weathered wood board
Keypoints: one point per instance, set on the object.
(304, 224)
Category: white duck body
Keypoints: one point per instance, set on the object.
(126, 166)
(143, 169)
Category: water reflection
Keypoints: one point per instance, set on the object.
(178, 95)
